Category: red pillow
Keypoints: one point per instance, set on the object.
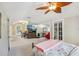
(47, 35)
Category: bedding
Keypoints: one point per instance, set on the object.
(43, 46)
(59, 49)
(75, 52)
(63, 49)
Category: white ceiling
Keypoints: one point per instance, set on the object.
(23, 10)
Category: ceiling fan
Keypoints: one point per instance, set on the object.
(53, 6)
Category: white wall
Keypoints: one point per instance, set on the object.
(4, 34)
(71, 29)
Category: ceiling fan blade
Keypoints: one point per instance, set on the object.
(41, 8)
(61, 4)
(47, 11)
(58, 10)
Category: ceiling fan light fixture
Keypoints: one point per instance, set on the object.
(52, 7)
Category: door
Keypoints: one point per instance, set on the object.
(59, 30)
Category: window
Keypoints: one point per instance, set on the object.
(55, 31)
(58, 30)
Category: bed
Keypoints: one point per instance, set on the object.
(62, 49)
(59, 48)
(42, 47)
(75, 52)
